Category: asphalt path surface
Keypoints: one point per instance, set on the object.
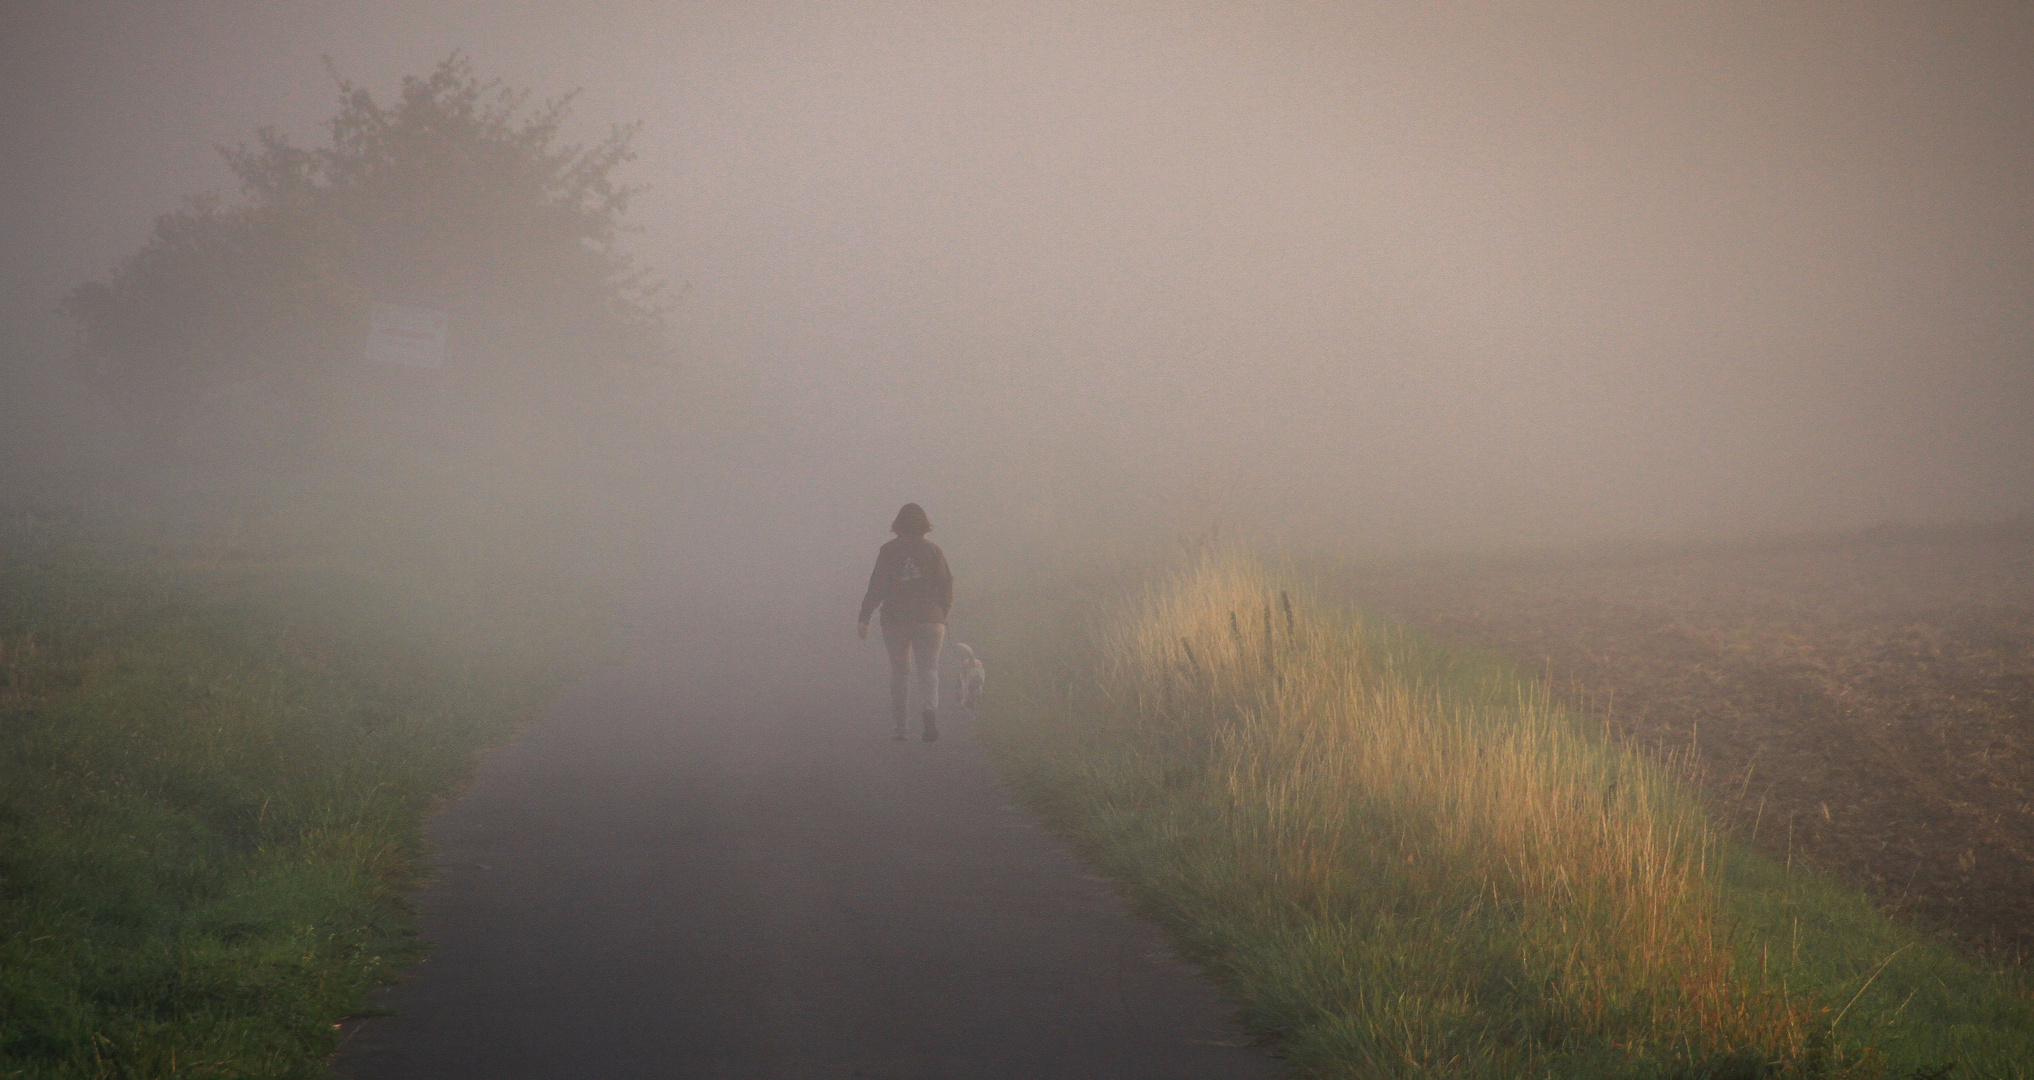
(714, 862)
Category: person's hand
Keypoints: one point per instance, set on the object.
(862, 631)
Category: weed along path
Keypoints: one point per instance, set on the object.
(714, 862)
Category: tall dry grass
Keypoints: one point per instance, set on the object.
(1412, 865)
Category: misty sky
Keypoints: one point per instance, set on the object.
(1404, 272)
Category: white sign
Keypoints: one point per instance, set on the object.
(409, 336)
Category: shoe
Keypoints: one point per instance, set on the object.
(931, 728)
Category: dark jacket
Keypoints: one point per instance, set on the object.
(911, 583)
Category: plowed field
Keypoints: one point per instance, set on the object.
(1862, 703)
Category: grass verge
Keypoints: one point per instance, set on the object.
(1404, 860)
(212, 776)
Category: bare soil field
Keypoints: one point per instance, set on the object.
(1864, 703)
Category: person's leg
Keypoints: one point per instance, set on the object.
(897, 639)
(925, 643)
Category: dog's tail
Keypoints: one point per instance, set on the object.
(962, 646)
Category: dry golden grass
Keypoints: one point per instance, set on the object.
(1549, 881)
(1410, 859)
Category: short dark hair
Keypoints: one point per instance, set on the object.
(911, 521)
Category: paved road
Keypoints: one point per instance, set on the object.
(713, 862)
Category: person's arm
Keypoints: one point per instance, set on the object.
(879, 590)
(945, 587)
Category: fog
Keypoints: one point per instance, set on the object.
(1391, 275)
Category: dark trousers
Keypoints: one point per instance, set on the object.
(913, 644)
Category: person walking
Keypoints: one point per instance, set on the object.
(914, 587)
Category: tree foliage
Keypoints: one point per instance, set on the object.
(461, 195)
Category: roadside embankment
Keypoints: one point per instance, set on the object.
(1405, 860)
(213, 769)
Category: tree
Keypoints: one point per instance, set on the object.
(460, 195)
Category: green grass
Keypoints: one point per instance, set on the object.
(212, 777)
(1917, 1001)
(1404, 860)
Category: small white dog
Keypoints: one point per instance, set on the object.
(972, 674)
